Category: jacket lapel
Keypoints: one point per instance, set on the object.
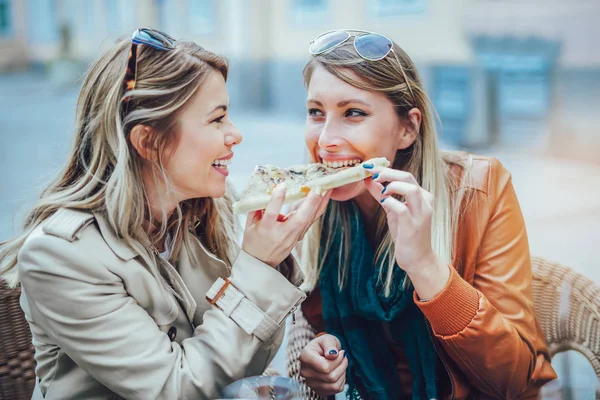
(126, 253)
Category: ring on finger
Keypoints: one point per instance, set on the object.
(283, 218)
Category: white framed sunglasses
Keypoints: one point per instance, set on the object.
(369, 45)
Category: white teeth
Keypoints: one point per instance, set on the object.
(340, 164)
(222, 163)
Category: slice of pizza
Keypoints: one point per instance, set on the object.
(299, 181)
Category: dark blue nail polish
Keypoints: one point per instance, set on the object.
(376, 176)
(382, 200)
(384, 189)
(368, 166)
(332, 352)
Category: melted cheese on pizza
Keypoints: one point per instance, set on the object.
(266, 177)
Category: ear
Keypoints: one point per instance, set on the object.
(411, 128)
(141, 140)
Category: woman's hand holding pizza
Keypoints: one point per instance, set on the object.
(409, 223)
(269, 237)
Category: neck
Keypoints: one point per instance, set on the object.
(158, 201)
(368, 208)
(367, 205)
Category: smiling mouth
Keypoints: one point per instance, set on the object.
(341, 163)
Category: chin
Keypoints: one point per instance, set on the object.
(218, 193)
(348, 192)
(214, 190)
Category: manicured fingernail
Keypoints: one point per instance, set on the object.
(368, 165)
(376, 176)
(332, 352)
(384, 199)
(384, 189)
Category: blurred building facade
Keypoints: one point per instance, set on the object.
(509, 72)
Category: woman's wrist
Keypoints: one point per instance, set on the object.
(256, 254)
(430, 277)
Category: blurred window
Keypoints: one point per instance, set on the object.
(309, 12)
(5, 17)
(524, 93)
(383, 8)
(202, 17)
(451, 95)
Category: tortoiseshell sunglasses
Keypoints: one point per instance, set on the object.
(149, 37)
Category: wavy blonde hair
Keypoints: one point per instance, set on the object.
(104, 171)
(397, 77)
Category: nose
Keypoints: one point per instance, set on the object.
(233, 136)
(329, 136)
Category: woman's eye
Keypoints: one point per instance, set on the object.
(355, 112)
(219, 119)
(315, 112)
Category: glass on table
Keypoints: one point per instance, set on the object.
(263, 388)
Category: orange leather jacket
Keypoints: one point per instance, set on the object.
(490, 344)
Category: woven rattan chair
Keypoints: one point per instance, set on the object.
(17, 365)
(567, 306)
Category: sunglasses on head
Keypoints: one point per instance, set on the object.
(147, 37)
(369, 45)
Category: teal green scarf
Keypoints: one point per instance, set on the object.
(356, 315)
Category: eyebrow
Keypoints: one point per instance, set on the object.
(221, 107)
(342, 103)
(346, 102)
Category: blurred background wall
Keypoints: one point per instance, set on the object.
(509, 72)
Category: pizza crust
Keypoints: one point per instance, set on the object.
(299, 181)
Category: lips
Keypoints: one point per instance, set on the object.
(223, 162)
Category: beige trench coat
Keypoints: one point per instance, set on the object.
(103, 328)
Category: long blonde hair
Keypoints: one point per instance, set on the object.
(103, 173)
(397, 77)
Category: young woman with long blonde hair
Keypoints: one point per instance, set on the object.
(420, 276)
(132, 282)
